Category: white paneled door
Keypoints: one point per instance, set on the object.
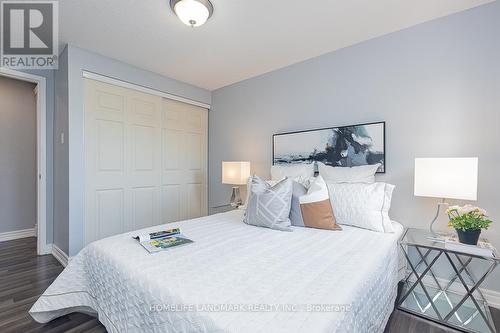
(145, 160)
(184, 167)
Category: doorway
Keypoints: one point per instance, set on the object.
(39, 170)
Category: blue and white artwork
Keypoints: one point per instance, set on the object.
(337, 146)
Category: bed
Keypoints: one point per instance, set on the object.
(234, 278)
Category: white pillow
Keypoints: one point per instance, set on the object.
(356, 174)
(301, 173)
(362, 205)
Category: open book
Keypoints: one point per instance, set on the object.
(162, 240)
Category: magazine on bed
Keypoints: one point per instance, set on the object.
(163, 240)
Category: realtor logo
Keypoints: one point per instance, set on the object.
(29, 34)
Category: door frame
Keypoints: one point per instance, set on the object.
(41, 153)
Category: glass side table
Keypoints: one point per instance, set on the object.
(221, 209)
(443, 285)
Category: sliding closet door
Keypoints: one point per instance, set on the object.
(184, 167)
(145, 160)
(144, 151)
(122, 160)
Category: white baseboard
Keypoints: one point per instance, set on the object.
(47, 249)
(60, 255)
(11, 235)
(491, 296)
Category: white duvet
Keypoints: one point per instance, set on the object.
(234, 278)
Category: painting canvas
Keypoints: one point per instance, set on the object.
(337, 146)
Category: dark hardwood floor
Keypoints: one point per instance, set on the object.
(24, 276)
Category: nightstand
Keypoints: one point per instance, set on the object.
(221, 209)
(444, 285)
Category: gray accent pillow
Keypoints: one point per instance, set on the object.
(269, 206)
(295, 212)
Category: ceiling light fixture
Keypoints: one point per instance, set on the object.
(192, 12)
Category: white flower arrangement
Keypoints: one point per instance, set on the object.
(463, 210)
(468, 217)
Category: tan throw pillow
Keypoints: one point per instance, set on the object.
(316, 207)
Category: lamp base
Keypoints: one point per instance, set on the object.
(236, 198)
(435, 236)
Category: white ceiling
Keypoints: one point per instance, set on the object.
(244, 38)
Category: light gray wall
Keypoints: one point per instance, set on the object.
(18, 164)
(82, 60)
(61, 228)
(437, 85)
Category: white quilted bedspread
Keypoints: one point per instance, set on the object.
(234, 278)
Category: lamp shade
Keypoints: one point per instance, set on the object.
(449, 178)
(235, 173)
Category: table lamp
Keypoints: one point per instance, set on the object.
(235, 173)
(446, 178)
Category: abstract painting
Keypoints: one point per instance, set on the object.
(336, 146)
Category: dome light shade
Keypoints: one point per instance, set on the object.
(192, 12)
